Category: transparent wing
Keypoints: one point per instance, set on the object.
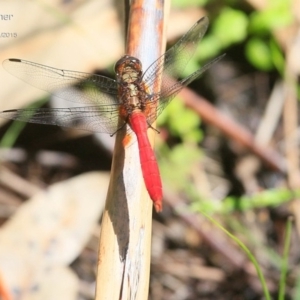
(55, 81)
(162, 99)
(98, 90)
(91, 118)
(173, 62)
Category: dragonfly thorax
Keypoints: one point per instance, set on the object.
(131, 97)
(131, 90)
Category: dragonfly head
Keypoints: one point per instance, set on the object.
(128, 69)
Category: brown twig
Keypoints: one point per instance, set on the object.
(236, 132)
(216, 239)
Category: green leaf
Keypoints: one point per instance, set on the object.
(183, 122)
(231, 26)
(209, 47)
(15, 129)
(276, 15)
(191, 67)
(187, 3)
(247, 252)
(176, 168)
(273, 197)
(277, 56)
(259, 54)
(285, 261)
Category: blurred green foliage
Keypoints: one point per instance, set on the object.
(271, 197)
(259, 53)
(188, 3)
(230, 27)
(12, 133)
(182, 122)
(233, 23)
(277, 14)
(178, 161)
(177, 164)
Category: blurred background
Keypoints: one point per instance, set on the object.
(231, 152)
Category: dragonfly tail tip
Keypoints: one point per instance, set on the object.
(158, 206)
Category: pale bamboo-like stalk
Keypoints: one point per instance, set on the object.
(290, 123)
(125, 239)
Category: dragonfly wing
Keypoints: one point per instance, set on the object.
(173, 62)
(166, 95)
(55, 81)
(91, 118)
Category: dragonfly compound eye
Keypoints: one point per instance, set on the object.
(128, 62)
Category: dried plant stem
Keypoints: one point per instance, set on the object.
(125, 240)
(290, 122)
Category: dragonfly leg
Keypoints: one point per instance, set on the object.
(120, 128)
(150, 126)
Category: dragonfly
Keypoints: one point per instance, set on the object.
(110, 104)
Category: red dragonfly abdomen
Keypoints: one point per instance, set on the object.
(138, 123)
